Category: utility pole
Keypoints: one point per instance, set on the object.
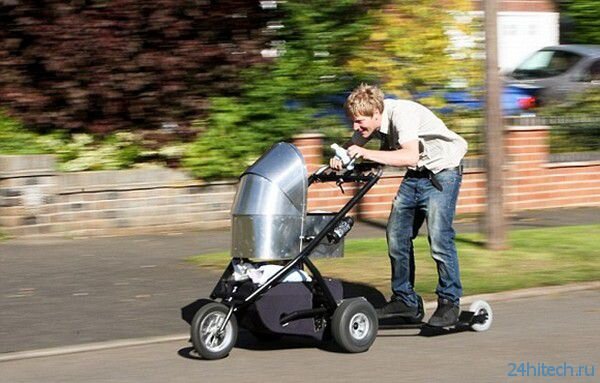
(494, 140)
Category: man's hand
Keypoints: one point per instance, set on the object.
(335, 163)
(356, 151)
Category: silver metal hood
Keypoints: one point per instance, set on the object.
(270, 206)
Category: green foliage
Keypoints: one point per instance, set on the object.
(467, 123)
(324, 48)
(80, 152)
(15, 139)
(238, 134)
(575, 122)
(415, 46)
(283, 98)
(583, 15)
(420, 46)
(583, 104)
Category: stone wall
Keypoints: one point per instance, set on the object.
(34, 200)
(37, 200)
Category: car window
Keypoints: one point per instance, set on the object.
(546, 63)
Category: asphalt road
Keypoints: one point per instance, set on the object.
(554, 330)
(57, 292)
(63, 292)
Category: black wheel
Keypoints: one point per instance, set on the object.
(207, 341)
(354, 325)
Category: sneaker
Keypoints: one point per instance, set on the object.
(397, 308)
(445, 315)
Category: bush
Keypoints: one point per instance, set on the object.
(99, 66)
(292, 95)
(582, 19)
(15, 139)
(239, 133)
(585, 104)
(78, 152)
(575, 122)
(84, 152)
(121, 150)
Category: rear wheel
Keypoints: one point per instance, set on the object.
(208, 342)
(482, 308)
(354, 325)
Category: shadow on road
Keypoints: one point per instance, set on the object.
(188, 353)
(423, 331)
(247, 341)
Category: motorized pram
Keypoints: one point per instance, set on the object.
(265, 288)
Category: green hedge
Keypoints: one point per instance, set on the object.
(15, 139)
(79, 152)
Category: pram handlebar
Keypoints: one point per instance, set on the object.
(362, 172)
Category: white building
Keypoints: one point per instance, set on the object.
(524, 26)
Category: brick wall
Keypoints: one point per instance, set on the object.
(521, 5)
(535, 183)
(36, 200)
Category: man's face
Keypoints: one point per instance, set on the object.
(366, 125)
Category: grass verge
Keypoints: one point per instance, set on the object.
(537, 257)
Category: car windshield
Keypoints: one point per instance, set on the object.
(546, 63)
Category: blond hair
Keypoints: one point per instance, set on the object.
(364, 100)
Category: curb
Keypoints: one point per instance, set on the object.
(98, 346)
(87, 347)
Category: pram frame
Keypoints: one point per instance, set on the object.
(322, 292)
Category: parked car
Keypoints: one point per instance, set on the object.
(557, 72)
(514, 100)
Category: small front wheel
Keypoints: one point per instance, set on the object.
(482, 308)
(354, 325)
(208, 342)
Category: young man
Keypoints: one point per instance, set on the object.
(413, 137)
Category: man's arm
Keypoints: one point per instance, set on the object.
(407, 155)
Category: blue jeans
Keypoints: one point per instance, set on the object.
(418, 200)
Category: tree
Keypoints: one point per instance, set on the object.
(584, 24)
(101, 66)
(419, 49)
(314, 40)
(416, 46)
